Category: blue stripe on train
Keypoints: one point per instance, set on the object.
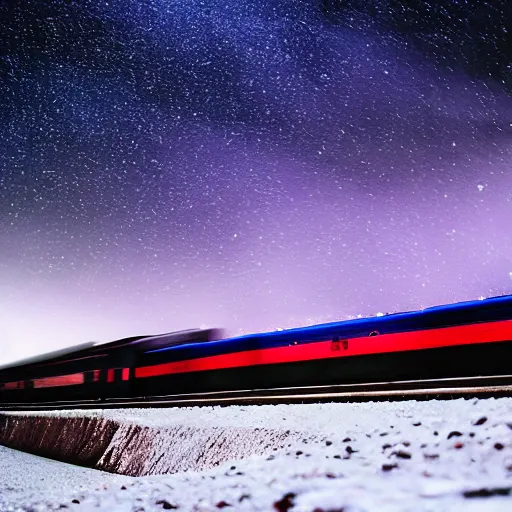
(487, 310)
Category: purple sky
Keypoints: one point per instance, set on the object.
(259, 170)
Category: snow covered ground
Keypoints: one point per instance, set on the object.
(27, 479)
(403, 456)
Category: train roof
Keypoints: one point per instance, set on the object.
(165, 339)
(48, 356)
(177, 338)
(140, 343)
(457, 313)
(191, 337)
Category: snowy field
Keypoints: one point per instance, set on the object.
(26, 479)
(403, 456)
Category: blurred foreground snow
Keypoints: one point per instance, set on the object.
(404, 456)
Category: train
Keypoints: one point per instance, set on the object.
(465, 339)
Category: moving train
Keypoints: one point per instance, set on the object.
(459, 340)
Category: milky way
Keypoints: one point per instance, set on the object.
(168, 165)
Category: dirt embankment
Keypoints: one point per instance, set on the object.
(133, 449)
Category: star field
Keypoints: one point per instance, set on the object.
(167, 165)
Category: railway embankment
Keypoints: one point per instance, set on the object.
(437, 455)
(132, 448)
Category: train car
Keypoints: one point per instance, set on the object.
(459, 340)
(59, 374)
(90, 371)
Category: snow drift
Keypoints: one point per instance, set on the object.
(133, 449)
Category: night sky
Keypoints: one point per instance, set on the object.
(170, 164)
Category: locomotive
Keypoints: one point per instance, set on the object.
(460, 340)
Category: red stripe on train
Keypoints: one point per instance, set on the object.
(60, 380)
(415, 340)
(111, 374)
(13, 385)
